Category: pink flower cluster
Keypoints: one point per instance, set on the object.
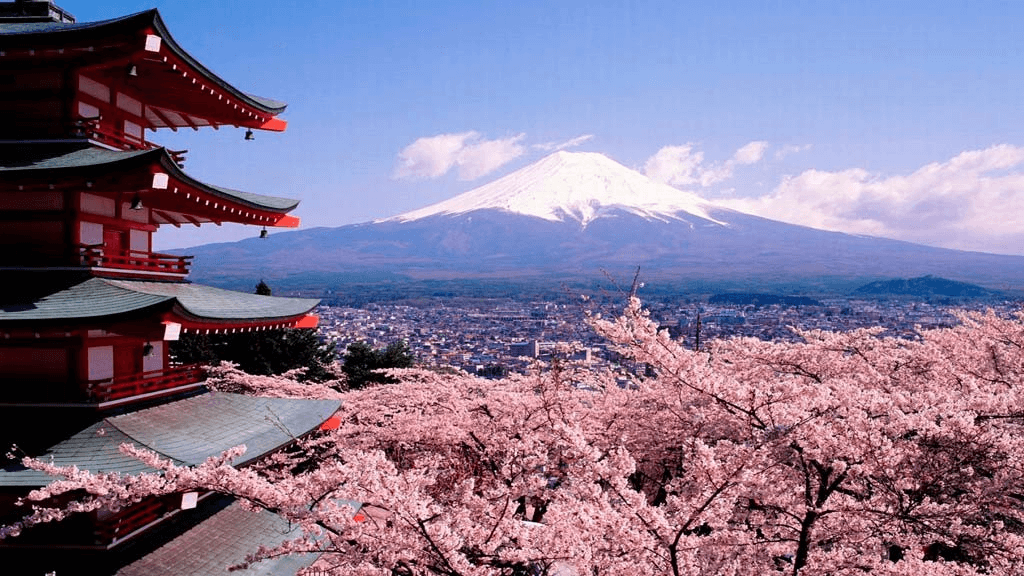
(847, 453)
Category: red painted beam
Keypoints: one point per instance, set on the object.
(275, 124)
(308, 321)
(287, 221)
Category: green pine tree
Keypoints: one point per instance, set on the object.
(361, 360)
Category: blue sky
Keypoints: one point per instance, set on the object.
(900, 119)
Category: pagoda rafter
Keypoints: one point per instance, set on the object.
(128, 74)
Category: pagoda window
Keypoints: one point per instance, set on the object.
(90, 233)
(154, 359)
(88, 110)
(132, 130)
(93, 204)
(93, 88)
(129, 104)
(138, 240)
(141, 215)
(100, 362)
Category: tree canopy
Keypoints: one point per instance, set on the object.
(362, 363)
(843, 454)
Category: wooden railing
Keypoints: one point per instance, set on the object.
(95, 255)
(102, 131)
(107, 389)
(128, 520)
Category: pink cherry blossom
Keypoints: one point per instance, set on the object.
(845, 453)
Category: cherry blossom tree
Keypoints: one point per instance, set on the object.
(845, 453)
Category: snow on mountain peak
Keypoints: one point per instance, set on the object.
(572, 185)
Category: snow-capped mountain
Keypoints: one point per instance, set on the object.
(579, 216)
(579, 186)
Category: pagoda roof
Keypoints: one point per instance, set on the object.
(216, 303)
(34, 165)
(187, 432)
(127, 39)
(225, 539)
(189, 304)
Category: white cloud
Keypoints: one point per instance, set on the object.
(675, 165)
(750, 153)
(973, 201)
(571, 143)
(684, 165)
(433, 156)
(486, 156)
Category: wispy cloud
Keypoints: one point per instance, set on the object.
(684, 165)
(790, 149)
(571, 143)
(473, 157)
(973, 201)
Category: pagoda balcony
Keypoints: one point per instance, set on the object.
(105, 132)
(150, 383)
(134, 262)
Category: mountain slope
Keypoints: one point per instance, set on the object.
(576, 215)
(571, 186)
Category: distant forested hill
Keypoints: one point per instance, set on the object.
(762, 300)
(925, 286)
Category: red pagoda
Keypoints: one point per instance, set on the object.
(87, 308)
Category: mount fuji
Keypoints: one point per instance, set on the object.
(573, 186)
(577, 216)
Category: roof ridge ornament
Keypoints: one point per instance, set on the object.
(34, 11)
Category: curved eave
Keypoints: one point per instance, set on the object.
(265, 105)
(174, 198)
(236, 197)
(199, 325)
(198, 307)
(185, 196)
(194, 306)
(65, 38)
(93, 299)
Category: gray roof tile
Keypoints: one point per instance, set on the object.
(196, 428)
(95, 449)
(210, 302)
(187, 431)
(221, 541)
(100, 297)
(91, 298)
